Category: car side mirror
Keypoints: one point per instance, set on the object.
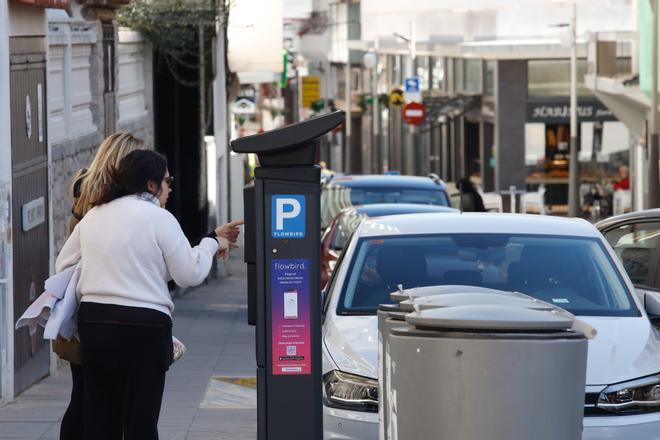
(651, 301)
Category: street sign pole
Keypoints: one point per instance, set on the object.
(282, 250)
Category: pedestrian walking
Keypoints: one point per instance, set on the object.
(129, 247)
(86, 187)
(471, 200)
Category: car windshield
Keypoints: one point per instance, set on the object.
(574, 273)
(337, 197)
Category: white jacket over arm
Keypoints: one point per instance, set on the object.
(130, 248)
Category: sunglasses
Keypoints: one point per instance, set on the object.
(169, 180)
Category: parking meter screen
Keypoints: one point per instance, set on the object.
(291, 331)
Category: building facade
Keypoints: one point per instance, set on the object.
(65, 83)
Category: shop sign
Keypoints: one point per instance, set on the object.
(311, 90)
(33, 214)
(291, 320)
(560, 112)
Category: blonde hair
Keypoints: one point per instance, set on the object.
(89, 183)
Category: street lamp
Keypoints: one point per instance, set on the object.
(573, 166)
(370, 61)
(654, 178)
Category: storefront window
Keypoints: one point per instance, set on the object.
(553, 78)
(489, 78)
(603, 151)
(438, 75)
(472, 76)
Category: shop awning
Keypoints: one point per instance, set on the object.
(451, 107)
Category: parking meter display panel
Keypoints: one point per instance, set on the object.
(637, 246)
(574, 273)
(292, 277)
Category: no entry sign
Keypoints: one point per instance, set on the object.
(414, 113)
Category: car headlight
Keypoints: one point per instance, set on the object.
(634, 397)
(350, 391)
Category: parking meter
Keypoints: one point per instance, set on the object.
(282, 250)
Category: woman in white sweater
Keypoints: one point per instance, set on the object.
(129, 248)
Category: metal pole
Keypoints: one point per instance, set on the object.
(573, 171)
(408, 155)
(378, 163)
(347, 147)
(653, 180)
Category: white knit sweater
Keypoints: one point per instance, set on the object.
(130, 248)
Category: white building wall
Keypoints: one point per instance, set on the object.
(74, 103)
(131, 81)
(76, 112)
(135, 85)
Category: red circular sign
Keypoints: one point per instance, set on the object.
(414, 113)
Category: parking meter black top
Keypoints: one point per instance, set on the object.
(282, 212)
(291, 145)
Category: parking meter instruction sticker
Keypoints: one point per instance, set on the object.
(290, 308)
(288, 216)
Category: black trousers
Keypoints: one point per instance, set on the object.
(72, 427)
(124, 372)
(72, 422)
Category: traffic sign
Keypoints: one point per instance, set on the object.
(396, 98)
(244, 106)
(414, 113)
(412, 84)
(413, 89)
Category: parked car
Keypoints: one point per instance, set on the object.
(352, 190)
(342, 227)
(565, 262)
(635, 238)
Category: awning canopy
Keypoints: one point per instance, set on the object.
(451, 106)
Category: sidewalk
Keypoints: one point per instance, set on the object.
(209, 393)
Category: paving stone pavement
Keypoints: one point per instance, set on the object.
(212, 322)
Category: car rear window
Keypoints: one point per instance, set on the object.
(574, 273)
(334, 198)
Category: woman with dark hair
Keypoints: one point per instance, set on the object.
(129, 248)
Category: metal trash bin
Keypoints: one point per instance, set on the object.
(499, 373)
(393, 315)
(389, 316)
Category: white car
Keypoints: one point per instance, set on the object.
(562, 261)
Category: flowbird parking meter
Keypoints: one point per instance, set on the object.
(282, 250)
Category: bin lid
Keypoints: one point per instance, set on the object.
(397, 316)
(462, 299)
(389, 307)
(489, 317)
(418, 292)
